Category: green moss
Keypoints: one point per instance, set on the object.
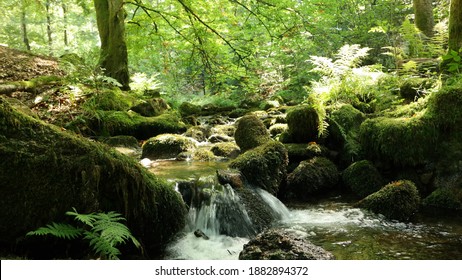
(444, 108)
(398, 200)
(312, 177)
(151, 107)
(226, 149)
(165, 146)
(413, 88)
(109, 123)
(187, 109)
(445, 198)
(277, 128)
(109, 100)
(250, 132)
(264, 166)
(44, 172)
(303, 124)
(203, 155)
(122, 141)
(399, 141)
(362, 178)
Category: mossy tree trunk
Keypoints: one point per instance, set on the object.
(455, 25)
(110, 17)
(424, 19)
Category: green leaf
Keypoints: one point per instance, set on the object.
(64, 231)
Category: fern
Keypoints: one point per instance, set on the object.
(63, 231)
(104, 232)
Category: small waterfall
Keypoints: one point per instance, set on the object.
(279, 209)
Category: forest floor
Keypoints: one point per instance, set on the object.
(49, 99)
(22, 66)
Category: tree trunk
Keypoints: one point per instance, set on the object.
(110, 17)
(49, 33)
(455, 25)
(64, 8)
(25, 38)
(424, 19)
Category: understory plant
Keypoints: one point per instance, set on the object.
(103, 231)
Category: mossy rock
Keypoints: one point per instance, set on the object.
(226, 149)
(363, 178)
(109, 100)
(316, 176)
(198, 132)
(151, 107)
(122, 141)
(344, 124)
(203, 155)
(398, 200)
(109, 123)
(300, 152)
(444, 198)
(264, 167)
(399, 141)
(45, 171)
(444, 109)
(250, 132)
(188, 109)
(303, 124)
(277, 128)
(224, 129)
(166, 146)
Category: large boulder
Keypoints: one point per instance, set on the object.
(110, 123)
(151, 107)
(315, 176)
(362, 178)
(166, 146)
(250, 132)
(303, 124)
(279, 244)
(226, 149)
(44, 172)
(398, 200)
(264, 167)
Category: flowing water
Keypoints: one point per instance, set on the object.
(334, 224)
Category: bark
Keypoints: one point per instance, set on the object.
(25, 38)
(424, 19)
(49, 32)
(455, 25)
(64, 8)
(110, 17)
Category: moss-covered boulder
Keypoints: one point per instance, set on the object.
(277, 129)
(165, 146)
(363, 178)
(226, 149)
(188, 109)
(300, 152)
(264, 167)
(122, 141)
(444, 198)
(399, 141)
(344, 123)
(398, 200)
(198, 132)
(444, 109)
(151, 107)
(110, 123)
(316, 176)
(280, 244)
(303, 124)
(109, 100)
(413, 88)
(44, 172)
(250, 132)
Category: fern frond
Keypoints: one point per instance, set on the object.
(87, 219)
(64, 231)
(102, 246)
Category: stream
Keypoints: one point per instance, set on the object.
(333, 223)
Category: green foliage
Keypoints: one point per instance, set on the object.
(104, 232)
(343, 80)
(452, 61)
